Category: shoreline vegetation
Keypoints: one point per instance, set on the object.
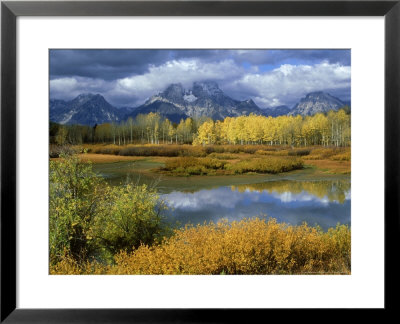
(187, 166)
(250, 246)
(188, 160)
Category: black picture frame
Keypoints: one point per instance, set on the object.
(10, 10)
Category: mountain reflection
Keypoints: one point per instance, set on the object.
(323, 203)
(334, 191)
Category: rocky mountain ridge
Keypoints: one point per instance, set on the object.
(316, 102)
(204, 99)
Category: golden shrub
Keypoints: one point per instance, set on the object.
(322, 153)
(268, 164)
(250, 246)
(69, 266)
(346, 156)
(274, 153)
(188, 165)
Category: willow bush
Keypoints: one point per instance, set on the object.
(249, 246)
(270, 164)
(91, 220)
(210, 166)
(134, 217)
(75, 199)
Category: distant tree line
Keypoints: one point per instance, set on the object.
(145, 128)
(333, 128)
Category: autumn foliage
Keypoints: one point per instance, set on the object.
(210, 166)
(333, 129)
(90, 219)
(249, 246)
(330, 129)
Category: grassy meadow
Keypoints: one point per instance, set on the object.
(186, 160)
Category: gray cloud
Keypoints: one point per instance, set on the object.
(286, 84)
(269, 77)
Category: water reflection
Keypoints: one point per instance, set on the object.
(325, 203)
(337, 190)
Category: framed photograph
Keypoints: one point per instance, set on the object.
(193, 161)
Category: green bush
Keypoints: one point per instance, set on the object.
(75, 199)
(133, 217)
(89, 219)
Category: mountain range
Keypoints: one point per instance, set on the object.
(85, 109)
(204, 99)
(175, 103)
(316, 102)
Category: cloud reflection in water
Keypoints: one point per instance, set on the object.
(325, 203)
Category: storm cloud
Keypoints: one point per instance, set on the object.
(269, 77)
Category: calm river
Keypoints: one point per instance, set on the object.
(293, 198)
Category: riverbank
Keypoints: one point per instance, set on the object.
(214, 160)
(250, 246)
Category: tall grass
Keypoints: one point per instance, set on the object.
(270, 164)
(193, 166)
(329, 153)
(208, 166)
(173, 150)
(345, 156)
(299, 152)
(249, 246)
(56, 150)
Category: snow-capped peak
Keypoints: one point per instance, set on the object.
(189, 97)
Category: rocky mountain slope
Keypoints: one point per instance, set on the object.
(316, 102)
(204, 99)
(86, 109)
(175, 103)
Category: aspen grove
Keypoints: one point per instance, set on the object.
(331, 129)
